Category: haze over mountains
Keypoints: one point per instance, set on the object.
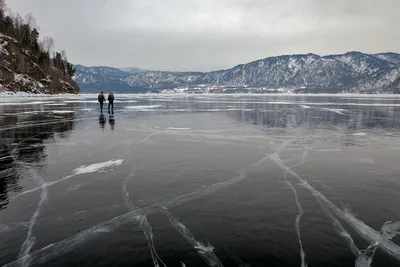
(353, 72)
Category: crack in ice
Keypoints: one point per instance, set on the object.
(45, 254)
(30, 238)
(84, 169)
(205, 251)
(141, 218)
(286, 169)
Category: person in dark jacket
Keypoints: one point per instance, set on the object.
(111, 102)
(101, 99)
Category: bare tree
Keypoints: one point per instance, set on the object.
(64, 55)
(3, 5)
(2, 11)
(18, 21)
(31, 21)
(47, 44)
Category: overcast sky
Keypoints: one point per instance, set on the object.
(207, 35)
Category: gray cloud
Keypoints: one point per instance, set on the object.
(211, 34)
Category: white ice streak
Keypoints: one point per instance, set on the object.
(206, 251)
(340, 229)
(84, 169)
(362, 229)
(297, 224)
(25, 103)
(141, 217)
(143, 107)
(335, 110)
(52, 251)
(365, 256)
(390, 229)
(97, 166)
(177, 129)
(30, 238)
(144, 225)
(305, 106)
(4, 228)
(275, 157)
(359, 134)
(61, 111)
(80, 101)
(56, 104)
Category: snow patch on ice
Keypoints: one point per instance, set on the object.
(359, 134)
(80, 101)
(97, 166)
(4, 228)
(390, 229)
(142, 107)
(25, 103)
(335, 110)
(177, 129)
(55, 104)
(305, 106)
(61, 111)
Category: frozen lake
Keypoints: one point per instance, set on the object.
(199, 180)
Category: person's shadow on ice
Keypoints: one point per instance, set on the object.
(102, 121)
(111, 121)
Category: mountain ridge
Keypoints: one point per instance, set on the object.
(353, 71)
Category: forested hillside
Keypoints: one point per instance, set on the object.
(28, 62)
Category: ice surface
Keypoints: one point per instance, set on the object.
(243, 171)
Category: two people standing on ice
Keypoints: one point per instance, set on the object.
(102, 99)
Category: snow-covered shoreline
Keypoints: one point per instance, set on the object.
(10, 96)
(18, 95)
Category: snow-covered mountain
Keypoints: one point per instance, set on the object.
(352, 72)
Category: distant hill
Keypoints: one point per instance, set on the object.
(25, 61)
(349, 72)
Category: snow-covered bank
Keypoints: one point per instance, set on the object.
(6, 96)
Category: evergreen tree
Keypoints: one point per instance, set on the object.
(34, 39)
(8, 25)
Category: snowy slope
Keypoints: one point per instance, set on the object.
(20, 73)
(391, 57)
